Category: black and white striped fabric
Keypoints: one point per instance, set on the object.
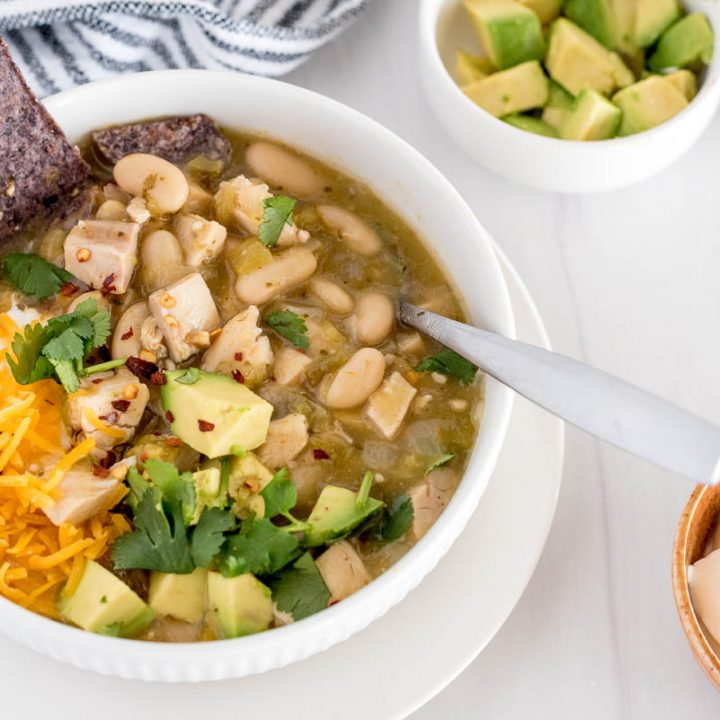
(62, 43)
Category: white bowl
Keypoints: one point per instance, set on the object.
(547, 163)
(410, 185)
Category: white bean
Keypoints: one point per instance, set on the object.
(162, 259)
(283, 169)
(126, 338)
(96, 295)
(332, 296)
(352, 230)
(111, 210)
(373, 318)
(287, 270)
(163, 185)
(356, 380)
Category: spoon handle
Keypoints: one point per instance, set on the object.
(601, 404)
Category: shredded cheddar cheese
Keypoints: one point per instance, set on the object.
(39, 559)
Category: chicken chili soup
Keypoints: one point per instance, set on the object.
(215, 424)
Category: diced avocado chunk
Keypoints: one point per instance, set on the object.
(336, 514)
(546, 10)
(559, 97)
(248, 476)
(685, 81)
(179, 596)
(647, 104)
(686, 44)
(595, 17)
(240, 605)
(510, 33)
(510, 91)
(102, 603)
(652, 18)
(577, 61)
(593, 118)
(214, 413)
(470, 68)
(555, 116)
(531, 124)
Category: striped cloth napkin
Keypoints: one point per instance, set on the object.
(62, 43)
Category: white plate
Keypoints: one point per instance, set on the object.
(402, 660)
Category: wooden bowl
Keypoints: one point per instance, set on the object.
(696, 524)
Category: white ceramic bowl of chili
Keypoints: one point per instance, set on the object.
(411, 186)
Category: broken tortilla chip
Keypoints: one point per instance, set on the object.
(40, 171)
(175, 139)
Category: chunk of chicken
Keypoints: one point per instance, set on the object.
(108, 408)
(429, 498)
(389, 404)
(240, 201)
(199, 199)
(241, 348)
(201, 239)
(81, 495)
(103, 253)
(343, 571)
(410, 344)
(286, 439)
(290, 365)
(185, 313)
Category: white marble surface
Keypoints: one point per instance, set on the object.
(626, 281)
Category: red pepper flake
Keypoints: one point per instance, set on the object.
(121, 405)
(320, 454)
(142, 369)
(237, 376)
(239, 356)
(109, 459)
(107, 286)
(169, 417)
(127, 335)
(68, 289)
(96, 381)
(158, 378)
(172, 441)
(100, 471)
(205, 426)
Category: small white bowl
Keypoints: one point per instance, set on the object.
(547, 163)
(428, 203)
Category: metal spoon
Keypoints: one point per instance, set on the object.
(601, 404)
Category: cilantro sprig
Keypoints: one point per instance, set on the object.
(290, 326)
(58, 349)
(163, 538)
(277, 212)
(447, 362)
(36, 276)
(398, 518)
(442, 460)
(299, 588)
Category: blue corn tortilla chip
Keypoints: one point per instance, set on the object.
(40, 171)
(175, 139)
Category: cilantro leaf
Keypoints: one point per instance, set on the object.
(290, 326)
(28, 365)
(34, 275)
(442, 460)
(399, 516)
(277, 212)
(157, 543)
(260, 548)
(178, 490)
(209, 535)
(447, 362)
(280, 494)
(58, 348)
(299, 589)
